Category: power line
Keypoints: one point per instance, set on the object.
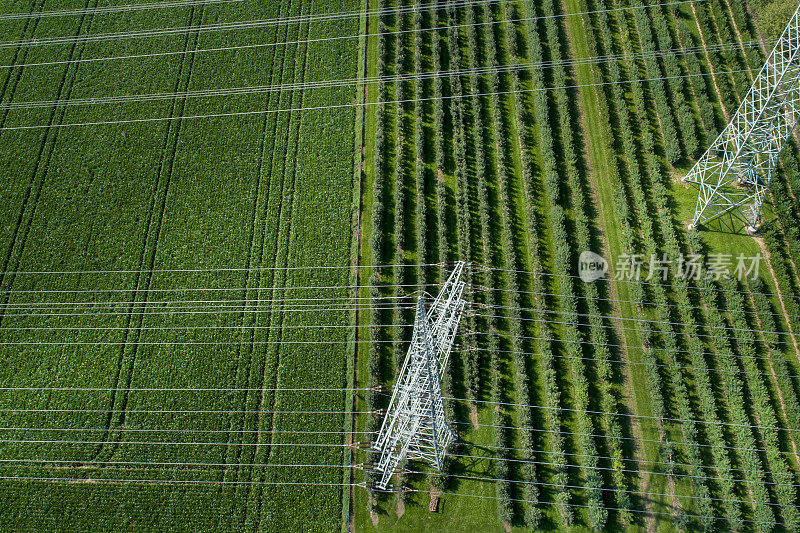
(586, 506)
(102, 464)
(192, 431)
(662, 284)
(605, 326)
(177, 443)
(347, 82)
(26, 304)
(477, 267)
(352, 298)
(644, 304)
(474, 288)
(583, 487)
(202, 328)
(620, 437)
(111, 9)
(607, 458)
(264, 23)
(383, 341)
(189, 343)
(182, 411)
(210, 269)
(626, 415)
(624, 470)
(279, 21)
(207, 289)
(282, 390)
(87, 310)
(672, 474)
(187, 389)
(155, 309)
(262, 112)
(206, 312)
(630, 319)
(641, 363)
(174, 481)
(347, 432)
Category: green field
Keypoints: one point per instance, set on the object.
(217, 215)
(257, 192)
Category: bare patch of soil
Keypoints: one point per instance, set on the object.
(473, 415)
(433, 506)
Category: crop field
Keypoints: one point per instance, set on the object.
(131, 206)
(217, 216)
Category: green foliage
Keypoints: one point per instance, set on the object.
(773, 16)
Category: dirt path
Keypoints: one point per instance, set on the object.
(768, 261)
(774, 375)
(710, 65)
(738, 34)
(792, 264)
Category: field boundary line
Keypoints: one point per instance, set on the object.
(351, 365)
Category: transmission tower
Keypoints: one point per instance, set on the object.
(415, 425)
(735, 172)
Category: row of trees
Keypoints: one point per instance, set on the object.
(458, 102)
(693, 55)
(629, 182)
(483, 137)
(668, 338)
(472, 142)
(765, 404)
(657, 86)
(669, 341)
(745, 437)
(730, 18)
(548, 178)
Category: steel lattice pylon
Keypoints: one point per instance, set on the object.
(415, 425)
(735, 172)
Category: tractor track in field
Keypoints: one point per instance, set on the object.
(257, 241)
(34, 189)
(291, 200)
(275, 72)
(18, 70)
(280, 317)
(159, 203)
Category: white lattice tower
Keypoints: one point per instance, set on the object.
(415, 426)
(734, 174)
